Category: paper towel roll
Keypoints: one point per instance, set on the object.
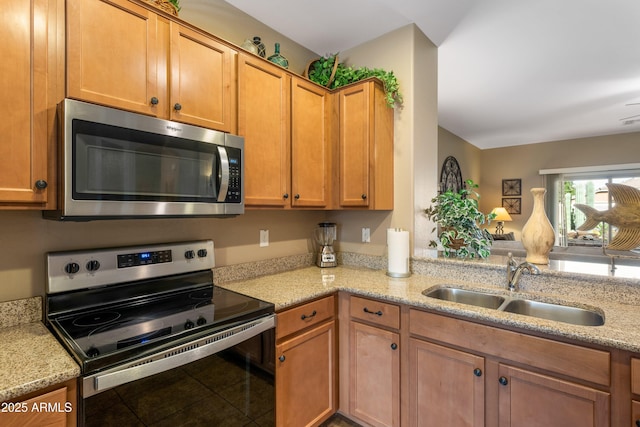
(398, 245)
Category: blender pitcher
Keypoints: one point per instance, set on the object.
(325, 234)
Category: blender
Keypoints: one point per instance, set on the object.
(325, 234)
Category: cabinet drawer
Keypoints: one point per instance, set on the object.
(378, 312)
(567, 359)
(635, 375)
(298, 318)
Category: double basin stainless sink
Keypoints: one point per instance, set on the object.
(542, 310)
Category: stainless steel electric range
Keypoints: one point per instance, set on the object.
(130, 313)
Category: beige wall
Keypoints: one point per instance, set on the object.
(231, 24)
(26, 238)
(525, 161)
(467, 155)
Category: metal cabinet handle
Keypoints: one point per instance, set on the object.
(285, 196)
(154, 101)
(503, 380)
(297, 196)
(281, 358)
(477, 372)
(41, 184)
(364, 196)
(377, 313)
(304, 316)
(177, 107)
(394, 346)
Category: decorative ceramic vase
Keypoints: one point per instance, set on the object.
(538, 236)
(262, 51)
(276, 58)
(249, 46)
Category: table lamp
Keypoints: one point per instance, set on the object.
(501, 216)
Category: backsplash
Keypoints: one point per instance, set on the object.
(21, 311)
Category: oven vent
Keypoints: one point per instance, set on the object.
(181, 350)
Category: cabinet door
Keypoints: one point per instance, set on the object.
(355, 120)
(202, 74)
(25, 83)
(263, 120)
(112, 54)
(305, 377)
(374, 389)
(446, 386)
(310, 144)
(28, 417)
(534, 400)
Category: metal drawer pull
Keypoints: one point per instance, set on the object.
(378, 313)
(304, 316)
(394, 346)
(281, 358)
(477, 372)
(503, 380)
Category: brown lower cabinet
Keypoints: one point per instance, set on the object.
(306, 364)
(400, 365)
(467, 374)
(54, 406)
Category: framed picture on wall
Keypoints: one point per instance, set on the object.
(511, 187)
(512, 205)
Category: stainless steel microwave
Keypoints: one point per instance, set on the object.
(118, 164)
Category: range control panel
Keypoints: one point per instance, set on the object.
(90, 268)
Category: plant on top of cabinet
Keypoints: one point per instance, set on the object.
(326, 72)
(459, 219)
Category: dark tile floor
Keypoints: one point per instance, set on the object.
(339, 421)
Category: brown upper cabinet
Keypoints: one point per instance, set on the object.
(139, 60)
(366, 147)
(29, 89)
(285, 121)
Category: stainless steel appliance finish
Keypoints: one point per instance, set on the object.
(131, 313)
(118, 164)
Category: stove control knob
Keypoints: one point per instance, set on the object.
(201, 321)
(93, 352)
(188, 324)
(72, 268)
(93, 265)
(202, 253)
(189, 254)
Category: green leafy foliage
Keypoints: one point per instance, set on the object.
(322, 69)
(459, 219)
(176, 3)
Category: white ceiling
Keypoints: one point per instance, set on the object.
(510, 72)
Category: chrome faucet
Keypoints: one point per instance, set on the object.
(514, 271)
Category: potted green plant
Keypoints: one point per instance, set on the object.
(329, 72)
(459, 219)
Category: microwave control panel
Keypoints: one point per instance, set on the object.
(235, 175)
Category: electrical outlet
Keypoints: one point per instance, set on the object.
(366, 235)
(264, 238)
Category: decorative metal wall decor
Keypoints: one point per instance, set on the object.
(450, 176)
(512, 205)
(511, 187)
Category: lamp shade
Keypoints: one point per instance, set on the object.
(501, 214)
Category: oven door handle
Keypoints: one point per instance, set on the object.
(174, 357)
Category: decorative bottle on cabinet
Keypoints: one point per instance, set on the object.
(537, 234)
(276, 58)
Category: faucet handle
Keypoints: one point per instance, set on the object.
(511, 262)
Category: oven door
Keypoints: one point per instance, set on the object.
(211, 381)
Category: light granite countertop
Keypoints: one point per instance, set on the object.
(618, 302)
(30, 356)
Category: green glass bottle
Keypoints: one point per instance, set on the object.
(276, 58)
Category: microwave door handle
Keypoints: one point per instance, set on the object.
(223, 174)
